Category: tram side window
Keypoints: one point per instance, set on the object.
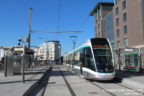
(75, 62)
(88, 59)
(77, 58)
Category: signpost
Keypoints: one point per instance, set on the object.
(23, 65)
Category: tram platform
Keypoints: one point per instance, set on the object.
(13, 86)
(133, 79)
(81, 87)
(78, 86)
(57, 86)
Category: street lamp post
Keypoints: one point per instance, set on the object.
(23, 71)
(24, 62)
(29, 35)
(73, 38)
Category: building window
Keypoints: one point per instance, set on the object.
(117, 1)
(125, 29)
(117, 21)
(118, 33)
(125, 17)
(95, 28)
(98, 26)
(99, 34)
(96, 35)
(118, 44)
(126, 42)
(117, 11)
(124, 4)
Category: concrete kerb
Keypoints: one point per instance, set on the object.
(133, 83)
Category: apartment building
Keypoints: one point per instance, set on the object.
(99, 12)
(129, 31)
(128, 23)
(122, 22)
(49, 52)
(54, 51)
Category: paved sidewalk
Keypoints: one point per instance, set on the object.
(131, 78)
(13, 86)
(80, 86)
(56, 84)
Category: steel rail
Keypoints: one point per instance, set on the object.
(112, 94)
(68, 85)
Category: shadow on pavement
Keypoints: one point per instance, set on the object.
(20, 81)
(29, 73)
(115, 80)
(128, 74)
(57, 73)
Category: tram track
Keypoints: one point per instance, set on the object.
(101, 85)
(67, 83)
(110, 93)
(106, 90)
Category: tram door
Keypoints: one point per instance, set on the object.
(88, 59)
(82, 61)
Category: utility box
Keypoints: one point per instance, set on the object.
(10, 60)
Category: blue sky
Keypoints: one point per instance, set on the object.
(74, 15)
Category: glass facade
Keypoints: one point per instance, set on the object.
(109, 27)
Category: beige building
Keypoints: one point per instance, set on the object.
(129, 33)
(128, 23)
(49, 52)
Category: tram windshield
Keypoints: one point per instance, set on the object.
(103, 56)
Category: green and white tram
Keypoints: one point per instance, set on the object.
(93, 60)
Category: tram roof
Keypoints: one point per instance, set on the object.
(85, 44)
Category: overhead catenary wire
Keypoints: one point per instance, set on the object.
(58, 17)
(47, 31)
(59, 14)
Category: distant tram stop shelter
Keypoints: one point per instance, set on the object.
(129, 59)
(15, 59)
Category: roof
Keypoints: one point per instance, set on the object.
(101, 4)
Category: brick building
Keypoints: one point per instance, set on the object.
(125, 30)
